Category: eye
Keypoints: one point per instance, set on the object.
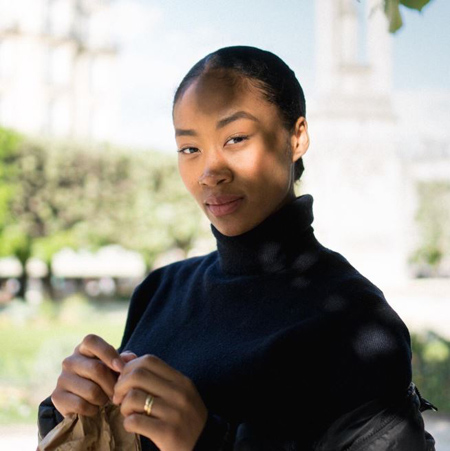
(188, 150)
(237, 139)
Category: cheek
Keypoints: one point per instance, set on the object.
(270, 165)
(187, 176)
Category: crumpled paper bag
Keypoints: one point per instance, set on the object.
(103, 432)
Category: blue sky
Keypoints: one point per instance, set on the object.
(161, 39)
(422, 48)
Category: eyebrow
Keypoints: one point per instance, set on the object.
(234, 117)
(220, 124)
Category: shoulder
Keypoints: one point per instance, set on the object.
(364, 324)
(358, 308)
(340, 280)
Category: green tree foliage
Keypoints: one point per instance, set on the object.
(431, 368)
(9, 144)
(164, 213)
(82, 197)
(393, 13)
(143, 205)
(433, 218)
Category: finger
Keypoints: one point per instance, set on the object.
(94, 346)
(67, 403)
(128, 356)
(155, 365)
(141, 378)
(144, 425)
(92, 369)
(85, 389)
(134, 402)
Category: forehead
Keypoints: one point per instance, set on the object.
(217, 92)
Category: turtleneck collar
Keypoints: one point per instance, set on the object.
(273, 245)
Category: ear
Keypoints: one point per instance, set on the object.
(299, 139)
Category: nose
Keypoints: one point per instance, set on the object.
(215, 170)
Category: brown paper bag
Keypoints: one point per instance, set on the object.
(103, 432)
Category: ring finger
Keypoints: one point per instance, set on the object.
(135, 401)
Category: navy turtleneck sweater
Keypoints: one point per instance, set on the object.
(279, 334)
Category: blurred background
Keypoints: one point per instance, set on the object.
(91, 201)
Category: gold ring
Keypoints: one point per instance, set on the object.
(148, 404)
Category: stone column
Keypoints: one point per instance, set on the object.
(352, 167)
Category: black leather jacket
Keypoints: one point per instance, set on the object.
(373, 428)
(370, 427)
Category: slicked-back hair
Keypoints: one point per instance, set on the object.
(266, 71)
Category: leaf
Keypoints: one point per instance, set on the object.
(415, 4)
(392, 10)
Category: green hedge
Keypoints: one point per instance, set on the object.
(431, 368)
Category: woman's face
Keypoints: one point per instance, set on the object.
(235, 156)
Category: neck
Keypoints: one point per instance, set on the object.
(276, 244)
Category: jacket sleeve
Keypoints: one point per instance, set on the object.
(377, 426)
(48, 417)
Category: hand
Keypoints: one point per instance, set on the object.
(178, 413)
(88, 377)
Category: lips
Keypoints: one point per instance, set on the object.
(221, 199)
(224, 204)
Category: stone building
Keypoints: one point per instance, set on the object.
(57, 68)
(360, 168)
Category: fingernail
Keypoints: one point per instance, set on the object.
(117, 365)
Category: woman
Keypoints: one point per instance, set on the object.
(273, 341)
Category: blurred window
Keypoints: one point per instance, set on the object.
(6, 110)
(60, 17)
(60, 64)
(59, 116)
(100, 73)
(7, 58)
(100, 28)
(10, 14)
